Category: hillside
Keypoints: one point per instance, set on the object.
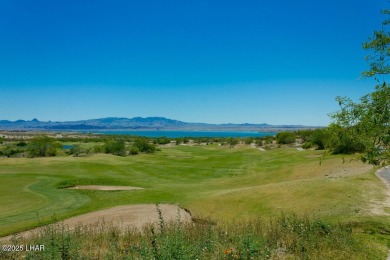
(137, 123)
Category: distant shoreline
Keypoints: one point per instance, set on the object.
(185, 133)
(146, 133)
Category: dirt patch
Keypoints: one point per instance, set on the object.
(121, 216)
(101, 187)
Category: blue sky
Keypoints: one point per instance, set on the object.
(278, 62)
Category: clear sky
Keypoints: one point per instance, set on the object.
(247, 61)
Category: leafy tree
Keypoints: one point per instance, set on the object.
(379, 46)
(368, 122)
(42, 146)
(344, 140)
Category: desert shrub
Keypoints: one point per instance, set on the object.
(307, 145)
(259, 142)
(115, 147)
(232, 141)
(305, 135)
(10, 152)
(21, 144)
(343, 140)
(249, 140)
(144, 146)
(134, 150)
(319, 138)
(268, 139)
(181, 140)
(98, 149)
(42, 146)
(162, 140)
(75, 150)
(285, 137)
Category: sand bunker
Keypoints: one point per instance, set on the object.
(121, 216)
(101, 187)
(132, 215)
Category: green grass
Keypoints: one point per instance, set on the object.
(211, 181)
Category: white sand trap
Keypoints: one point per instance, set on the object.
(300, 149)
(121, 216)
(102, 187)
(261, 149)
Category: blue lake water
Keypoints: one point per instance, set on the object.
(178, 134)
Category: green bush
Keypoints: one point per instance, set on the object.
(343, 140)
(10, 152)
(307, 145)
(115, 147)
(98, 149)
(75, 150)
(249, 140)
(21, 144)
(42, 146)
(162, 140)
(259, 142)
(232, 142)
(134, 150)
(268, 139)
(285, 138)
(319, 138)
(144, 146)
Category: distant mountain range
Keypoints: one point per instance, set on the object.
(137, 123)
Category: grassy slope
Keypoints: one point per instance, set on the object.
(211, 181)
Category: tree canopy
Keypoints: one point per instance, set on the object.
(41, 146)
(379, 46)
(366, 125)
